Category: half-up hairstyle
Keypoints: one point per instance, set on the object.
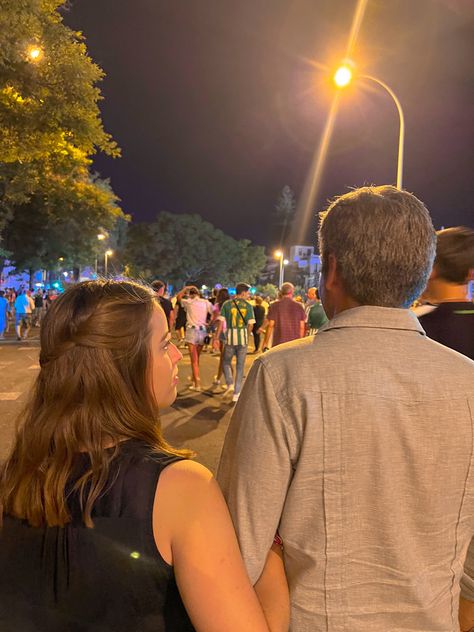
(93, 390)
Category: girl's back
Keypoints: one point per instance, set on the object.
(108, 578)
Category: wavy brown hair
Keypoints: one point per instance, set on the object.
(93, 390)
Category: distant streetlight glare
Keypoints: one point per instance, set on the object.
(285, 262)
(278, 254)
(109, 253)
(100, 236)
(35, 53)
(343, 76)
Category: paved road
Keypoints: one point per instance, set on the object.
(197, 420)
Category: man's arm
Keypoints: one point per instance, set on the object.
(302, 328)
(258, 447)
(268, 333)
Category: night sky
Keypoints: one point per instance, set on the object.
(217, 104)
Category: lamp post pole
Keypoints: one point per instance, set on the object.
(343, 77)
(107, 254)
(401, 134)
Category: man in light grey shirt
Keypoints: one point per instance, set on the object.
(357, 444)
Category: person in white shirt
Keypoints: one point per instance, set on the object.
(197, 311)
(24, 306)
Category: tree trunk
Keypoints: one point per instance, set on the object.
(31, 273)
(76, 274)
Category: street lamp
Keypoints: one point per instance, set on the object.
(285, 263)
(100, 237)
(35, 53)
(279, 255)
(343, 77)
(107, 254)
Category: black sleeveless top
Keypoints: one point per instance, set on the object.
(107, 579)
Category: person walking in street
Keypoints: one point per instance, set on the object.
(197, 311)
(38, 310)
(239, 316)
(159, 287)
(285, 319)
(103, 525)
(220, 327)
(259, 312)
(4, 311)
(315, 314)
(357, 443)
(24, 307)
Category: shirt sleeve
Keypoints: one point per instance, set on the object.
(467, 580)
(250, 314)
(271, 312)
(256, 448)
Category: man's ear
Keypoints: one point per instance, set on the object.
(331, 276)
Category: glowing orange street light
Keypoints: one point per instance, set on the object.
(35, 53)
(343, 76)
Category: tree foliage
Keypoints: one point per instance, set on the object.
(62, 223)
(50, 127)
(285, 209)
(185, 248)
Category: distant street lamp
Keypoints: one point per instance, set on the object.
(35, 53)
(107, 254)
(279, 255)
(100, 237)
(343, 77)
(285, 263)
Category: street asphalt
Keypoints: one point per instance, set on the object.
(197, 421)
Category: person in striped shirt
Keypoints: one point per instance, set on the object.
(239, 316)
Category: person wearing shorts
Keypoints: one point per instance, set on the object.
(24, 307)
(197, 310)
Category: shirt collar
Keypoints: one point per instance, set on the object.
(370, 316)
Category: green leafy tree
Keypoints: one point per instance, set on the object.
(50, 126)
(61, 224)
(185, 248)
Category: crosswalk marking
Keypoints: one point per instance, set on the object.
(9, 396)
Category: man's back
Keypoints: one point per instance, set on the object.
(22, 304)
(369, 468)
(288, 315)
(316, 316)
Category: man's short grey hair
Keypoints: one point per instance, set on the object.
(287, 288)
(384, 244)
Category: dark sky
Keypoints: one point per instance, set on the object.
(217, 105)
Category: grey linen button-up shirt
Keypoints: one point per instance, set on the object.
(357, 445)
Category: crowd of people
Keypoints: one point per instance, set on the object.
(23, 309)
(344, 498)
(224, 324)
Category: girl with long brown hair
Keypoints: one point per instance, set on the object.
(105, 526)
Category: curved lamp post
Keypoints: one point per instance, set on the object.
(107, 254)
(343, 77)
